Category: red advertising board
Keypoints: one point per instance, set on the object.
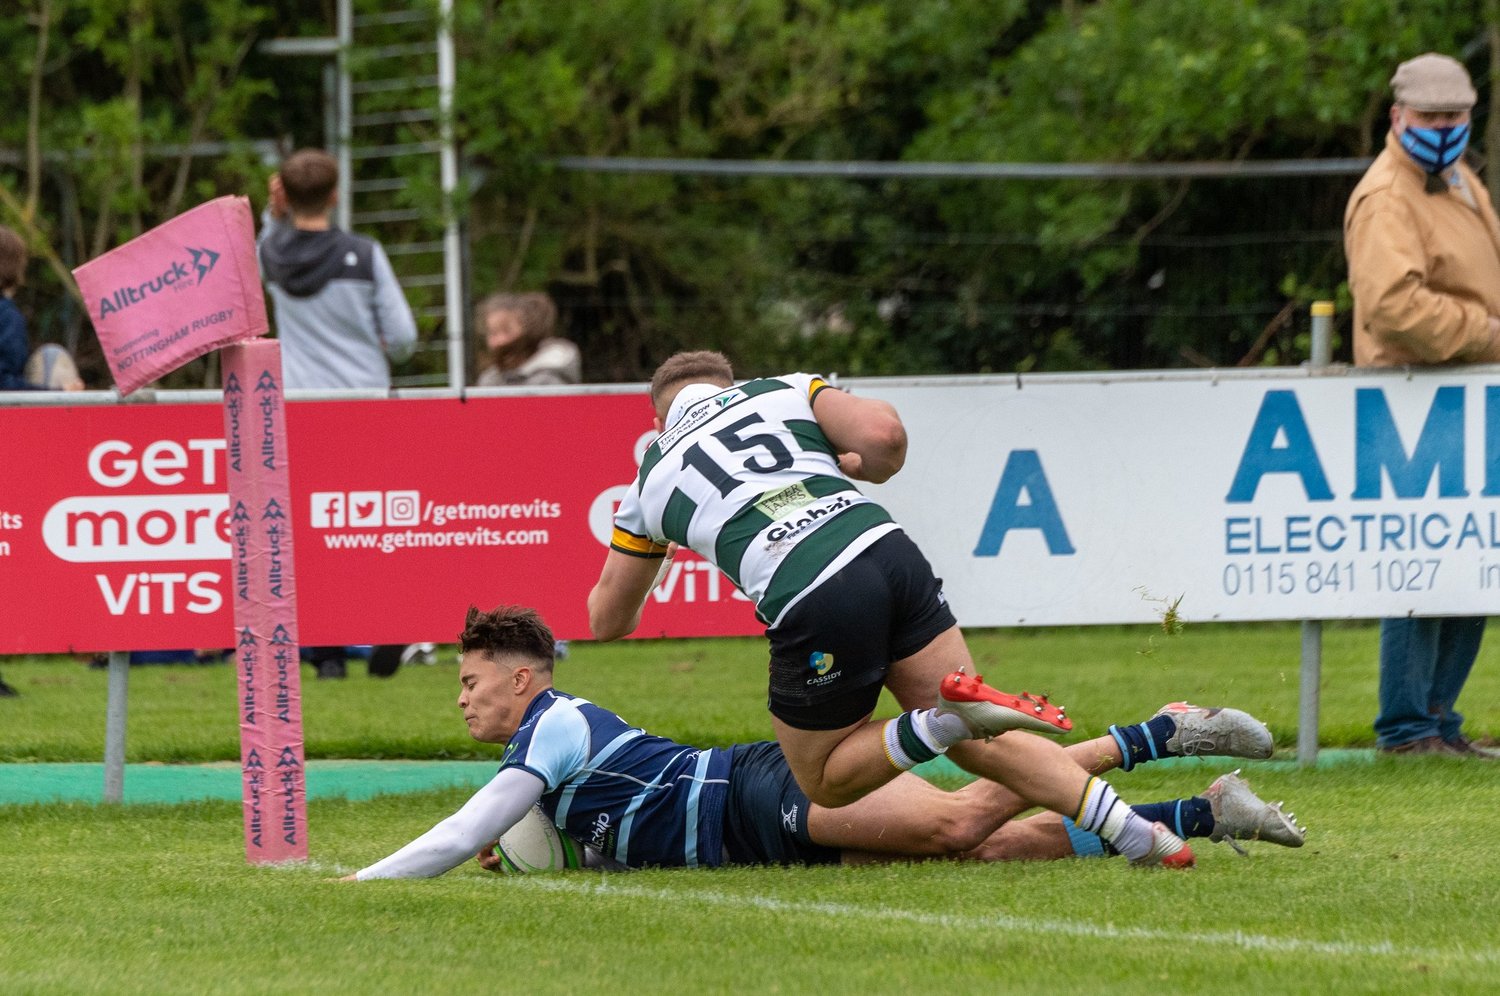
(115, 526)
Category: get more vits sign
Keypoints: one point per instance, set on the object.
(155, 552)
(121, 529)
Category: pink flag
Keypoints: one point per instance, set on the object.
(169, 296)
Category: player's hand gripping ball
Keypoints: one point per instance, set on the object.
(535, 845)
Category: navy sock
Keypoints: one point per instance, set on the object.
(1144, 741)
(1184, 817)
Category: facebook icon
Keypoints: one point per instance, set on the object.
(329, 510)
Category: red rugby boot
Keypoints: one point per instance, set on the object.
(1167, 850)
(989, 712)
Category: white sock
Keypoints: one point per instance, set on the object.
(1101, 811)
(940, 730)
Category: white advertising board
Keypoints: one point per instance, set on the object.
(1059, 500)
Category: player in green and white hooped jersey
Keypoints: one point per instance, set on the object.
(759, 479)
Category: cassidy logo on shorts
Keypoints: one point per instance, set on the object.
(821, 665)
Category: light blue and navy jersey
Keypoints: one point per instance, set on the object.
(641, 800)
(744, 477)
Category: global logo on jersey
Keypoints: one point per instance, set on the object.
(180, 272)
(793, 527)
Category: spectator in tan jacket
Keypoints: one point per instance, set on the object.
(1423, 245)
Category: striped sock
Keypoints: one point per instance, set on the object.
(1144, 741)
(919, 735)
(1101, 811)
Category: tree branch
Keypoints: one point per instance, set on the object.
(523, 243)
(34, 111)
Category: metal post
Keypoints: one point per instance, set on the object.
(1309, 690)
(331, 134)
(1322, 333)
(114, 727)
(344, 210)
(452, 263)
(1310, 683)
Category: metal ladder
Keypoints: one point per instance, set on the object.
(390, 122)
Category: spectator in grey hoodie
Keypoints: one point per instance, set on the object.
(340, 314)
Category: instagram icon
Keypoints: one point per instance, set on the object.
(403, 508)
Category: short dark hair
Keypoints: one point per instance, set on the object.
(701, 366)
(309, 177)
(506, 630)
(13, 257)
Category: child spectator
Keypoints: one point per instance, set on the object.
(518, 345)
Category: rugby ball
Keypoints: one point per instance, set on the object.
(535, 845)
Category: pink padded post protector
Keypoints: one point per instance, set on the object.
(263, 592)
(169, 296)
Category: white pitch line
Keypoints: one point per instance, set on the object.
(606, 884)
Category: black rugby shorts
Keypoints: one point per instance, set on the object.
(830, 653)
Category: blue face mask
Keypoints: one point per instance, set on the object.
(1435, 149)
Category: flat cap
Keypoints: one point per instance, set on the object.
(1433, 82)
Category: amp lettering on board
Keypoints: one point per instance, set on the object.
(1383, 472)
(1280, 442)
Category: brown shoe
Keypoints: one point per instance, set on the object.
(1465, 747)
(1424, 745)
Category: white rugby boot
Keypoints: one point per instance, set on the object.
(1224, 732)
(1240, 814)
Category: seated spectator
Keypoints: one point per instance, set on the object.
(51, 368)
(518, 345)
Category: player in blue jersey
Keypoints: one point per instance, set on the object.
(759, 479)
(645, 801)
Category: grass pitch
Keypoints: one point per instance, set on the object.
(1391, 894)
(712, 692)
